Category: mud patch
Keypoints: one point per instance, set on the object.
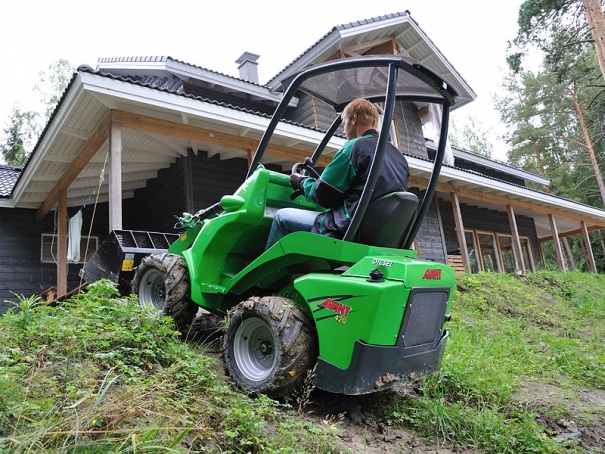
(362, 430)
(584, 422)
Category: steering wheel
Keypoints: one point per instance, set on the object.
(306, 166)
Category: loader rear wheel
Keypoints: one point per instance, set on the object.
(269, 345)
(162, 284)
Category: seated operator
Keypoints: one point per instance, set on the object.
(341, 184)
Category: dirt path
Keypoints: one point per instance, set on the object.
(361, 429)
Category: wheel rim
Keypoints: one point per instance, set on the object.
(152, 291)
(254, 349)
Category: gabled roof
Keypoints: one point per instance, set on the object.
(8, 178)
(171, 68)
(400, 26)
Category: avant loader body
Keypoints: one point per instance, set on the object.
(364, 311)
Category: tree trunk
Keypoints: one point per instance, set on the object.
(542, 171)
(601, 241)
(570, 259)
(596, 21)
(593, 159)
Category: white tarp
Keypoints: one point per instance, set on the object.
(75, 235)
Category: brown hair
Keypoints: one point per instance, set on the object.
(365, 110)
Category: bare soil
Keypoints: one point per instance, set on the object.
(583, 426)
(363, 431)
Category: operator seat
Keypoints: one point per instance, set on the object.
(387, 220)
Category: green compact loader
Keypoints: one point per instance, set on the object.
(363, 312)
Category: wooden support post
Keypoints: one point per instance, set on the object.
(315, 119)
(443, 243)
(115, 177)
(592, 266)
(517, 252)
(62, 243)
(188, 182)
(555, 238)
(460, 230)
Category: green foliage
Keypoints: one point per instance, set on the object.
(22, 131)
(473, 137)
(53, 84)
(545, 112)
(97, 374)
(19, 137)
(539, 21)
(537, 14)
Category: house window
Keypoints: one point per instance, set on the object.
(473, 250)
(506, 251)
(50, 242)
(489, 251)
(528, 255)
(508, 259)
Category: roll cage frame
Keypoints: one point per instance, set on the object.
(339, 82)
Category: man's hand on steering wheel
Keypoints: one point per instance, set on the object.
(297, 178)
(306, 166)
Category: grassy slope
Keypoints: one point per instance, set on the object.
(522, 353)
(97, 375)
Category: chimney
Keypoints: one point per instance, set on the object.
(248, 67)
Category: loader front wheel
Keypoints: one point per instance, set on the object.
(162, 284)
(269, 346)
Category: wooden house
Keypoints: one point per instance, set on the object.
(136, 141)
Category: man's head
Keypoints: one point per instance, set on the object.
(359, 116)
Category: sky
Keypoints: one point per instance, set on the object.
(472, 34)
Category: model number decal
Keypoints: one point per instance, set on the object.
(341, 319)
(337, 307)
(382, 262)
(432, 274)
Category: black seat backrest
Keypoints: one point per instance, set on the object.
(387, 220)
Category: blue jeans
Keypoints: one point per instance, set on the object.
(288, 220)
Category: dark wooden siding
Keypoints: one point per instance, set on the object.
(21, 270)
(429, 238)
(405, 115)
(475, 218)
(213, 178)
(155, 205)
(304, 113)
(409, 126)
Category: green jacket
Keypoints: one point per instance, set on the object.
(342, 181)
